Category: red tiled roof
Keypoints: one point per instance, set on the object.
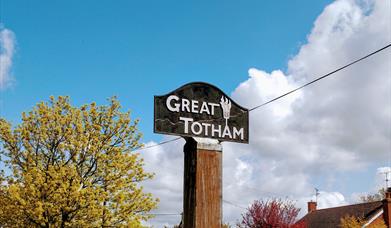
(330, 217)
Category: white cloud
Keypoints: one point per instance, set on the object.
(167, 164)
(330, 199)
(340, 124)
(270, 85)
(383, 170)
(243, 172)
(324, 200)
(7, 49)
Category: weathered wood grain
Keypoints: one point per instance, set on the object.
(202, 187)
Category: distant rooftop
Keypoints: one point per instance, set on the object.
(331, 217)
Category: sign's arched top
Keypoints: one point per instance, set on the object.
(201, 110)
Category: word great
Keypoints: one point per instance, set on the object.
(176, 104)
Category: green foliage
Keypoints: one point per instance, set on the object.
(226, 225)
(351, 222)
(354, 222)
(73, 167)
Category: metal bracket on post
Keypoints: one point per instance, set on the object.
(202, 202)
(207, 144)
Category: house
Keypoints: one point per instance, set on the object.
(372, 212)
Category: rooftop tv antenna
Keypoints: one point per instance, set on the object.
(316, 195)
(386, 173)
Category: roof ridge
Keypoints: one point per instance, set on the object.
(350, 205)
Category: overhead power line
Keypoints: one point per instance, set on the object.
(233, 204)
(291, 91)
(321, 77)
(177, 214)
(155, 145)
(164, 214)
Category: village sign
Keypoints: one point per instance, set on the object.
(200, 110)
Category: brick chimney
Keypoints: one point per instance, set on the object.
(387, 208)
(311, 206)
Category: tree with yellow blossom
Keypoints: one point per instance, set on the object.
(73, 167)
(354, 222)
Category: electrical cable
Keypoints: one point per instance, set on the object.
(233, 204)
(170, 214)
(321, 77)
(291, 91)
(158, 144)
(164, 214)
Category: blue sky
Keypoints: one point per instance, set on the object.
(335, 135)
(92, 50)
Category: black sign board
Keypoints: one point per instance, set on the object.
(200, 110)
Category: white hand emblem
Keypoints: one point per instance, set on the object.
(226, 106)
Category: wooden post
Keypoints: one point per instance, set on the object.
(202, 183)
